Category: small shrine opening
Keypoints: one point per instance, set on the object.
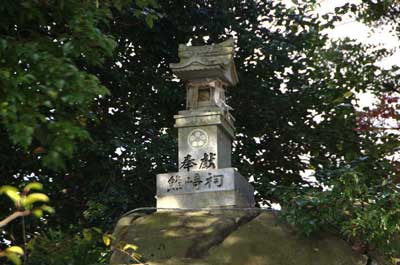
(204, 94)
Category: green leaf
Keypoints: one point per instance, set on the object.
(107, 239)
(37, 212)
(5, 74)
(87, 234)
(13, 254)
(7, 188)
(130, 246)
(348, 94)
(35, 197)
(22, 134)
(15, 249)
(33, 186)
(118, 5)
(137, 256)
(150, 21)
(48, 209)
(98, 230)
(153, 3)
(141, 3)
(11, 192)
(15, 258)
(3, 44)
(68, 48)
(395, 260)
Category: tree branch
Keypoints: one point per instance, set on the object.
(13, 216)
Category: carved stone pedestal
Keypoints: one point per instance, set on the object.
(203, 133)
(219, 188)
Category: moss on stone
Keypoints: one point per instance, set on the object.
(224, 237)
(266, 241)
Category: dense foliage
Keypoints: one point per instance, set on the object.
(360, 197)
(81, 80)
(47, 95)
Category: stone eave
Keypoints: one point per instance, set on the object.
(193, 119)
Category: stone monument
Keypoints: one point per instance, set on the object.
(205, 130)
(234, 234)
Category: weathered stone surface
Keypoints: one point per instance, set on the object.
(217, 132)
(165, 235)
(216, 139)
(208, 117)
(227, 237)
(266, 241)
(204, 189)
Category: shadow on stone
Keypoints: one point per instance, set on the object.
(228, 237)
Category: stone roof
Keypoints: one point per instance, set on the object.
(208, 61)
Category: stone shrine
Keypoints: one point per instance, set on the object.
(205, 133)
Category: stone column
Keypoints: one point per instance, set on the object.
(205, 133)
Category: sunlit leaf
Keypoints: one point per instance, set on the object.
(6, 188)
(11, 192)
(33, 186)
(37, 212)
(15, 249)
(15, 258)
(130, 246)
(106, 240)
(35, 197)
(47, 208)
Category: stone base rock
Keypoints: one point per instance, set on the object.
(221, 237)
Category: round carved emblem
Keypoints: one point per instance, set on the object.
(197, 138)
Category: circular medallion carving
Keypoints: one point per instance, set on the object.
(197, 138)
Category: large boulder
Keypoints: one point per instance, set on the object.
(226, 237)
